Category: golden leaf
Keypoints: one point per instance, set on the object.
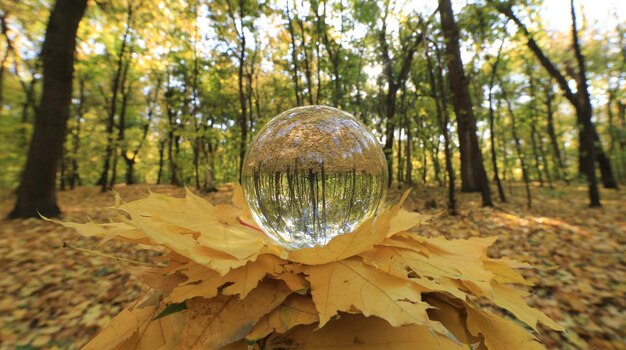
(296, 282)
(185, 244)
(452, 314)
(340, 247)
(162, 334)
(204, 282)
(217, 232)
(236, 283)
(411, 265)
(122, 328)
(513, 300)
(116, 230)
(155, 277)
(296, 310)
(465, 256)
(136, 328)
(503, 270)
(405, 220)
(500, 333)
(360, 332)
(342, 285)
(217, 322)
(207, 287)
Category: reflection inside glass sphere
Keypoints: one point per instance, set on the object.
(313, 173)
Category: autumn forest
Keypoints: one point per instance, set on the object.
(500, 115)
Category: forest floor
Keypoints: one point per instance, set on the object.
(57, 298)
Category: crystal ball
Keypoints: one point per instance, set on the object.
(313, 173)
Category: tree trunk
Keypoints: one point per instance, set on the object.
(535, 149)
(109, 151)
(604, 163)
(170, 151)
(492, 134)
(394, 82)
(80, 112)
(614, 146)
(121, 134)
(561, 167)
(241, 57)
(399, 150)
(318, 69)
(584, 112)
(332, 50)
(473, 175)
(4, 28)
(294, 57)
(196, 140)
(29, 102)
(113, 178)
(307, 66)
(161, 156)
(536, 138)
(62, 167)
(36, 193)
(408, 176)
(580, 101)
(441, 105)
(518, 148)
(424, 162)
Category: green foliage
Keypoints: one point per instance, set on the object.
(181, 65)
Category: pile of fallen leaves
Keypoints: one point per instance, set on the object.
(222, 283)
(56, 298)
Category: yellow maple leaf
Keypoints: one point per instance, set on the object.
(234, 282)
(452, 314)
(340, 247)
(204, 282)
(294, 311)
(414, 266)
(217, 322)
(185, 244)
(513, 300)
(466, 257)
(156, 278)
(348, 284)
(122, 328)
(296, 282)
(404, 220)
(162, 334)
(116, 230)
(215, 230)
(360, 332)
(500, 333)
(503, 270)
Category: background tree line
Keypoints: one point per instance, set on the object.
(121, 91)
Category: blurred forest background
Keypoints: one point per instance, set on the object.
(171, 92)
(515, 104)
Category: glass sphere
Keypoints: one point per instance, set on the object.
(313, 173)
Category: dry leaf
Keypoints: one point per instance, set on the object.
(217, 322)
(123, 327)
(499, 333)
(204, 282)
(296, 310)
(342, 285)
(513, 300)
(227, 281)
(360, 332)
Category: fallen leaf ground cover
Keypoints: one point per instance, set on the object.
(55, 297)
